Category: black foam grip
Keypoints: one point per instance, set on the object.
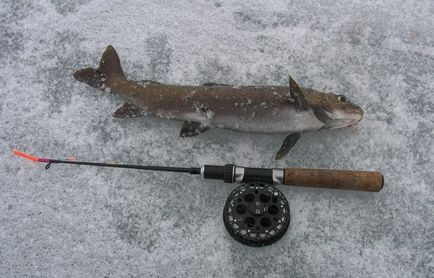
(213, 172)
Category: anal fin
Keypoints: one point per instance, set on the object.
(287, 144)
(190, 129)
(128, 110)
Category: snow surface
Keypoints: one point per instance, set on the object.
(94, 222)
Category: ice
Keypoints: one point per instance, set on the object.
(82, 221)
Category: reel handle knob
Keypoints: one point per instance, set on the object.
(334, 179)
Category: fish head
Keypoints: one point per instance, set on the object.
(335, 111)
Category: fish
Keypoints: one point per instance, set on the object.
(289, 110)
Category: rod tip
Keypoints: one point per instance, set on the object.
(25, 155)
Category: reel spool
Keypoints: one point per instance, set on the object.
(256, 214)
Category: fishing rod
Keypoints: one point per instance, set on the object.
(230, 173)
(256, 213)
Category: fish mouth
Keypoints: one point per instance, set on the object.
(342, 123)
(343, 119)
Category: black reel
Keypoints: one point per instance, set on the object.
(256, 214)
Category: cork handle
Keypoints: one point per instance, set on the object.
(335, 179)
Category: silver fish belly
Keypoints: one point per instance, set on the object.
(284, 120)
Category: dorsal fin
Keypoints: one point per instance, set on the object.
(110, 63)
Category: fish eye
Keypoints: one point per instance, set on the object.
(342, 98)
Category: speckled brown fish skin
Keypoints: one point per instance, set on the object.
(257, 109)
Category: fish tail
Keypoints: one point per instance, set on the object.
(109, 67)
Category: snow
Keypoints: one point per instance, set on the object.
(84, 221)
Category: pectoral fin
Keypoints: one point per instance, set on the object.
(321, 115)
(287, 144)
(190, 129)
(297, 95)
(128, 110)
